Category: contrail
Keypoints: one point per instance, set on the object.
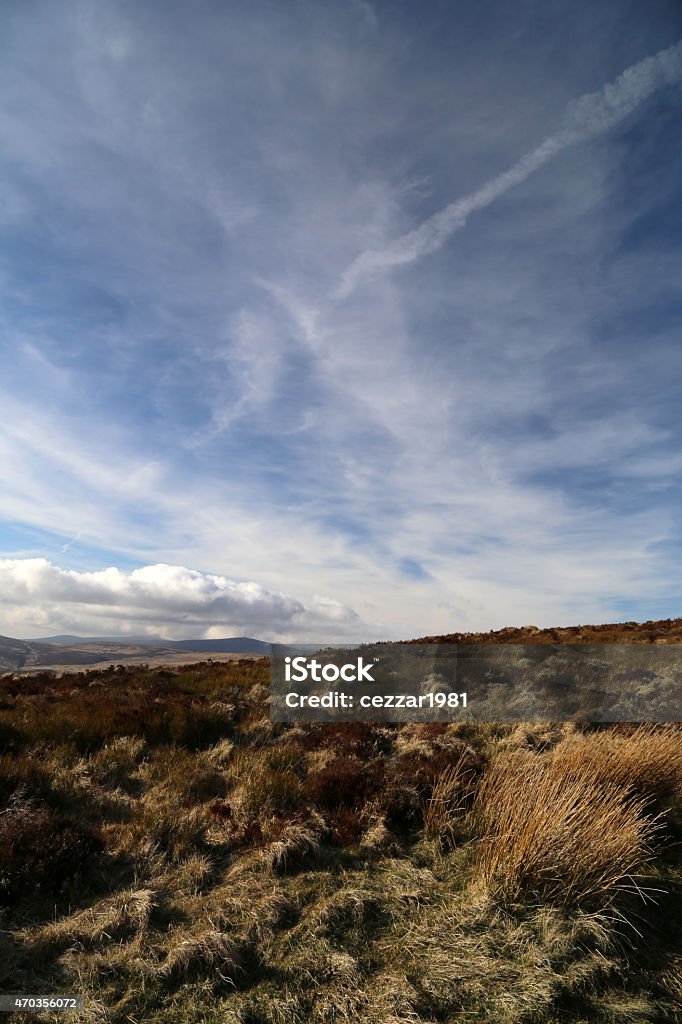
(589, 115)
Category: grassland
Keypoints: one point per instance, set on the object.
(168, 852)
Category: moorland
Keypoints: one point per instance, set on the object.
(173, 855)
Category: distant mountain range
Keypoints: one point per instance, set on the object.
(70, 638)
(68, 650)
(228, 645)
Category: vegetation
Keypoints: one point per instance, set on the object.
(175, 857)
(656, 631)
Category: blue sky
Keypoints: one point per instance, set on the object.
(339, 321)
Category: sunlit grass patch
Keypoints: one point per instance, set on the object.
(647, 759)
(551, 831)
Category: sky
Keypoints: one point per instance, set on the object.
(341, 321)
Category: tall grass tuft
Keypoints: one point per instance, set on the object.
(647, 759)
(450, 796)
(553, 832)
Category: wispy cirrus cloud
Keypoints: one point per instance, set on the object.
(588, 116)
(492, 435)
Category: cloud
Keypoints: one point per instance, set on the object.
(488, 437)
(589, 115)
(167, 600)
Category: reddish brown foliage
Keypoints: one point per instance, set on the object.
(346, 826)
(91, 708)
(358, 738)
(345, 782)
(422, 770)
(221, 809)
(39, 849)
(658, 631)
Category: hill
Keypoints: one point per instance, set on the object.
(65, 651)
(70, 638)
(229, 645)
(653, 631)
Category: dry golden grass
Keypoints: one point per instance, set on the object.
(293, 844)
(211, 952)
(648, 759)
(552, 831)
(246, 873)
(112, 920)
(448, 802)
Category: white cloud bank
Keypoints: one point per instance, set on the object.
(168, 600)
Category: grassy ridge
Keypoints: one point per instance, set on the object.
(175, 857)
(654, 631)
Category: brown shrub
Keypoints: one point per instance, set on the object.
(357, 738)
(346, 781)
(221, 809)
(194, 707)
(41, 850)
(346, 825)
(346, 815)
(422, 770)
(413, 776)
(350, 790)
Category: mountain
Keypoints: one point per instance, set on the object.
(66, 650)
(19, 653)
(229, 645)
(69, 638)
